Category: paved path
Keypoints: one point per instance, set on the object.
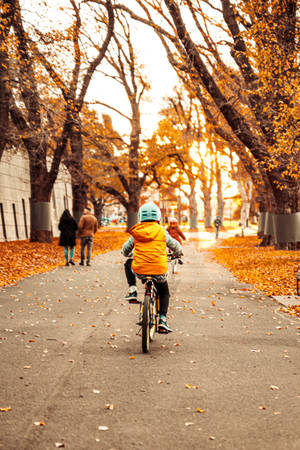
(71, 362)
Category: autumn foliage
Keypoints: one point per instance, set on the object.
(266, 269)
(21, 259)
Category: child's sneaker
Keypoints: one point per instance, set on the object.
(163, 327)
(132, 295)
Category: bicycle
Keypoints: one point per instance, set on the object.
(174, 260)
(148, 314)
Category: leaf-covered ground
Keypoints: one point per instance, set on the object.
(21, 259)
(271, 271)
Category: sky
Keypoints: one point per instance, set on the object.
(151, 54)
(159, 74)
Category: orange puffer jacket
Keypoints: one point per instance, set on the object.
(149, 256)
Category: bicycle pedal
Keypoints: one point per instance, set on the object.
(136, 302)
(163, 331)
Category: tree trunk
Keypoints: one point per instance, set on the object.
(4, 100)
(40, 230)
(193, 211)
(287, 217)
(79, 194)
(245, 187)
(132, 218)
(132, 208)
(41, 188)
(207, 211)
(179, 209)
(244, 218)
(220, 201)
(98, 205)
(6, 21)
(281, 227)
(75, 166)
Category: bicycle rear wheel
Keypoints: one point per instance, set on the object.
(146, 324)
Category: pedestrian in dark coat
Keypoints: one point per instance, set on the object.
(68, 227)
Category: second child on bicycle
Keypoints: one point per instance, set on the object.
(149, 242)
(175, 231)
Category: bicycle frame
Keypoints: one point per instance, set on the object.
(149, 313)
(173, 260)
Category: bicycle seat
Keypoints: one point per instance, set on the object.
(147, 278)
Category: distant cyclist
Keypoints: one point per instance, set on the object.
(149, 242)
(217, 224)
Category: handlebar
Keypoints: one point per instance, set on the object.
(171, 256)
(127, 256)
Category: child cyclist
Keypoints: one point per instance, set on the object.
(176, 233)
(174, 230)
(149, 242)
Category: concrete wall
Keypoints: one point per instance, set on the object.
(15, 195)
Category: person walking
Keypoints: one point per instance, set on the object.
(67, 239)
(87, 227)
(217, 224)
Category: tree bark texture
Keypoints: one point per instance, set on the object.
(245, 188)
(132, 218)
(75, 165)
(40, 230)
(98, 204)
(207, 210)
(220, 201)
(193, 210)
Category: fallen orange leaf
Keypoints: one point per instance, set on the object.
(267, 269)
(8, 408)
(21, 259)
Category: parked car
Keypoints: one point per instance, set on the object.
(105, 221)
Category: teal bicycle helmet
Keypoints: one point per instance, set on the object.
(149, 211)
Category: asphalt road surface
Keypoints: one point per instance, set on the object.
(73, 375)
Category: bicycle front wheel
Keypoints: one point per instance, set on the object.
(153, 319)
(146, 324)
(174, 268)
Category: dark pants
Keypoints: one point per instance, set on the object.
(162, 288)
(87, 242)
(217, 232)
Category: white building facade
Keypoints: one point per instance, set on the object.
(15, 197)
